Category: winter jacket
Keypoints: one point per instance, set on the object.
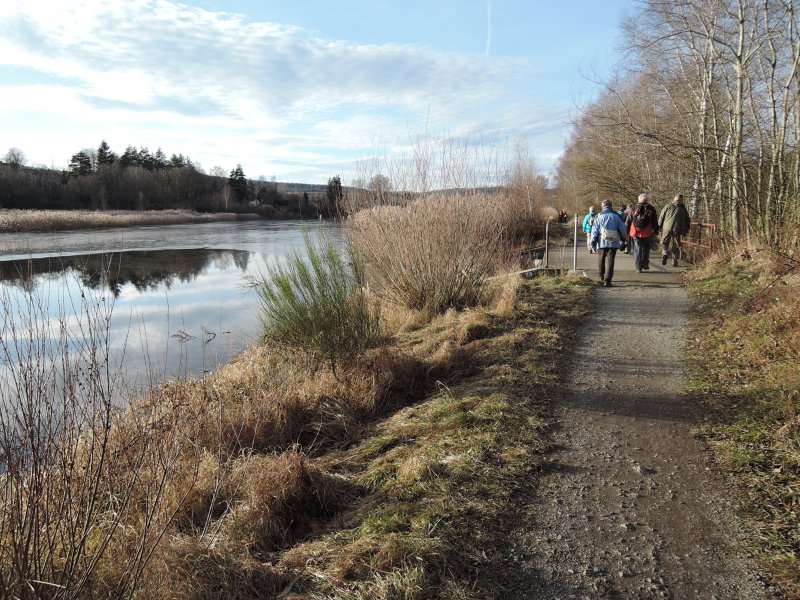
(587, 227)
(610, 220)
(675, 218)
(651, 224)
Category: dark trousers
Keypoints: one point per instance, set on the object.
(605, 262)
(671, 242)
(641, 252)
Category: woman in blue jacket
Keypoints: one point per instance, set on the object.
(608, 234)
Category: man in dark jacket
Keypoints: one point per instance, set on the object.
(674, 222)
(643, 226)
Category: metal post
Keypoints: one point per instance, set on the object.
(575, 246)
(546, 243)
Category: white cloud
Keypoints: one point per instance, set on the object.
(158, 73)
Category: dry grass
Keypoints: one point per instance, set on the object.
(746, 351)
(447, 465)
(273, 475)
(17, 220)
(436, 252)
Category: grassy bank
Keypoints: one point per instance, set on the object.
(278, 475)
(745, 344)
(14, 220)
(435, 482)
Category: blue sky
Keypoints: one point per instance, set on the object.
(297, 89)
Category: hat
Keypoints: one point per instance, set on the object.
(607, 203)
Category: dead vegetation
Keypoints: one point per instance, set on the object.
(275, 476)
(20, 220)
(745, 342)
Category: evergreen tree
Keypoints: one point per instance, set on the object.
(238, 183)
(80, 164)
(104, 154)
(334, 194)
(159, 159)
(146, 160)
(129, 158)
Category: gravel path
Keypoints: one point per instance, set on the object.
(628, 504)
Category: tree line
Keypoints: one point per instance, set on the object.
(706, 105)
(139, 179)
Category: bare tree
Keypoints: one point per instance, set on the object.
(15, 157)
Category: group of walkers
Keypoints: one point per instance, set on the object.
(634, 228)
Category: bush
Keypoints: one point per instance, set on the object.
(432, 254)
(315, 303)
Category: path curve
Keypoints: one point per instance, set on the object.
(628, 504)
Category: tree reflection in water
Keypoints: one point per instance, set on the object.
(144, 269)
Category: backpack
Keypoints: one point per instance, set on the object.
(591, 220)
(641, 216)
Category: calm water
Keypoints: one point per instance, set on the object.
(177, 295)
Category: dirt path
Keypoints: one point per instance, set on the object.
(628, 505)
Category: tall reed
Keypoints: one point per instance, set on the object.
(432, 254)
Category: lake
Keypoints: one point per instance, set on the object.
(176, 297)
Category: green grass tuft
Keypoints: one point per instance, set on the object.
(315, 303)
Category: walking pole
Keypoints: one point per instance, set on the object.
(575, 246)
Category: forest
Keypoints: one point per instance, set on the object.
(140, 180)
(704, 104)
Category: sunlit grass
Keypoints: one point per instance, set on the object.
(745, 346)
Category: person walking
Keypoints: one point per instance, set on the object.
(643, 222)
(608, 235)
(625, 216)
(674, 222)
(588, 221)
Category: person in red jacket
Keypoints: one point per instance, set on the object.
(643, 226)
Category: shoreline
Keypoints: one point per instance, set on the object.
(16, 220)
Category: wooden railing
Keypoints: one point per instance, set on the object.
(699, 242)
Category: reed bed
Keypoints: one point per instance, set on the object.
(436, 252)
(17, 220)
(185, 486)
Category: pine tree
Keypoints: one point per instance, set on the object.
(129, 158)
(80, 164)
(104, 154)
(145, 158)
(238, 183)
(334, 194)
(159, 160)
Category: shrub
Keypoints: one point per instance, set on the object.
(432, 254)
(315, 303)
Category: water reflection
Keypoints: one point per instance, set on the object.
(145, 270)
(171, 313)
(178, 299)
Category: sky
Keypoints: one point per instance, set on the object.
(298, 90)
